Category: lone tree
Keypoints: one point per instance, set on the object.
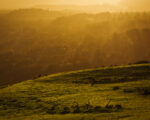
(92, 81)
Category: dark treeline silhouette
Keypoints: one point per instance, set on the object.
(36, 42)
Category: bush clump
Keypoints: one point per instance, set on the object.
(87, 108)
(116, 88)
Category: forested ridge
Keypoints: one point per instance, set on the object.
(37, 42)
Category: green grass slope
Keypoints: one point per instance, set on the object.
(110, 93)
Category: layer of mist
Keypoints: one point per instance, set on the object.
(37, 42)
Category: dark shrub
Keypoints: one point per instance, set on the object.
(97, 108)
(145, 91)
(52, 110)
(116, 88)
(109, 106)
(65, 110)
(118, 106)
(142, 62)
(39, 76)
(92, 81)
(128, 90)
(76, 108)
(88, 108)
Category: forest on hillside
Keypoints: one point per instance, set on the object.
(37, 42)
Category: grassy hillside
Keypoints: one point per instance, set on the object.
(110, 93)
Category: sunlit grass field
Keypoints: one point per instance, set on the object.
(109, 93)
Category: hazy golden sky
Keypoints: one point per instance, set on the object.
(142, 4)
(28, 3)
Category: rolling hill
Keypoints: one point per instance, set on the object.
(116, 93)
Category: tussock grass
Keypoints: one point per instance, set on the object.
(80, 95)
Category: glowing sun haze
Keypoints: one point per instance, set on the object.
(137, 5)
(30, 3)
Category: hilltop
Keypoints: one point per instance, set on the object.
(120, 92)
